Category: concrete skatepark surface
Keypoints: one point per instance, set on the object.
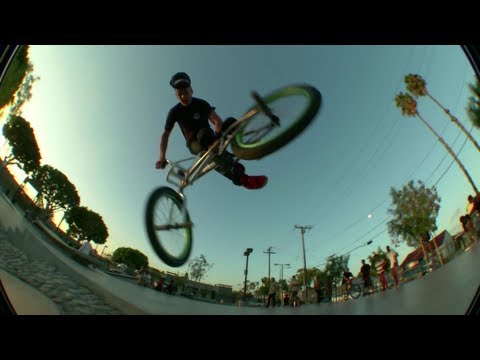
(447, 291)
(25, 299)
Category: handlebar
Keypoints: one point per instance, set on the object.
(177, 174)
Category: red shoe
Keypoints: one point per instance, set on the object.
(254, 182)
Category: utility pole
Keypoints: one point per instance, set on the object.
(246, 253)
(269, 252)
(281, 269)
(302, 231)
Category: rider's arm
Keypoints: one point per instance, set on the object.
(163, 148)
(164, 143)
(217, 121)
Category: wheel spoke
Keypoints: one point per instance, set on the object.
(168, 226)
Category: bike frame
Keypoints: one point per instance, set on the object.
(184, 177)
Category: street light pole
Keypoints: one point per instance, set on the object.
(359, 246)
(106, 246)
(246, 253)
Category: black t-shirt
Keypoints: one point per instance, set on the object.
(190, 118)
(346, 275)
(365, 271)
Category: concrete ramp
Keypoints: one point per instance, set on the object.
(25, 299)
(447, 291)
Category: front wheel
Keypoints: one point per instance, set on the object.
(355, 291)
(295, 106)
(168, 226)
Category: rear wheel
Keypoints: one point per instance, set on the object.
(168, 226)
(295, 106)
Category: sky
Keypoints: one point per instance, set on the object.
(98, 113)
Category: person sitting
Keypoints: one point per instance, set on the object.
(159, 284)
(171, 288)
(86, 248)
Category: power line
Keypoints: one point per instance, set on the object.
(420, 164)
(453, 160)
(424, 67)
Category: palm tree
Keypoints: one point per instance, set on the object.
(417, 86)
(409, 108)
(473, 109)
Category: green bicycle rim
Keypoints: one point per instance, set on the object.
(281, 93)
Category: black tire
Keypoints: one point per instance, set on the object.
(281, 102)
(355, 291)
(164, 240)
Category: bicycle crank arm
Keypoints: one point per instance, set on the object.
(265, 109)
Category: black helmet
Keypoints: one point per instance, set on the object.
(180, 81)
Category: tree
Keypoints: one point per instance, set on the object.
(473, 107)
(21, 138)
(311, 274)
(133, 258)
(85, 224)
(56, 189)
(414, 210)
(282, 285)
(17, 71)
(335, 267)
(382, 254)
(418, 87)
(409, 108)
(198, 267)
(251, 288)
(262, 290)
(24, 93)
(322, 275)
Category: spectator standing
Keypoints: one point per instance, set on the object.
(393, 257)
(473, 204)
(469, 228)
(473, 210)
(328, 289)
(294, 291)
(380, 265)
(159, 284)
(272, 291)
(367, 281)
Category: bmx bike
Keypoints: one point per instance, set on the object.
(271, 123)
(352, 290)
